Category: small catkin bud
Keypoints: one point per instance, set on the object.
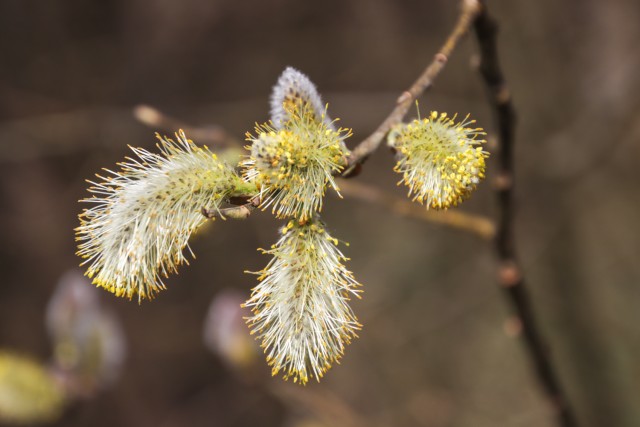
(300, 308)
(88, 339)
(441, 161)
(144, 214)
(294, 159)
(291, 92)
(225, 332)
(29, 393)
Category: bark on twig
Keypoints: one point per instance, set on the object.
(510, 273)
(468, 12)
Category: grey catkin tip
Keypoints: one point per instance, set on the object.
(292, 87)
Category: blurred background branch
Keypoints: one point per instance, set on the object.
(454, 218)
(210, 134)
(510, 272)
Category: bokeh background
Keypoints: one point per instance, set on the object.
(433, 351)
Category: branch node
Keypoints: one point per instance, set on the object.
(503, 96)
(404, 97)
(234, 212)
(352, 171)
(492, 142)
(504, 181)
(441, 57)
(206, 213)
(513, 327)
(509, 274)
(475, 61)
(473, 5)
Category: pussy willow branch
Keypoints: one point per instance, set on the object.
(510, 273)
(469, 10)
(242, 207)
(476, 224)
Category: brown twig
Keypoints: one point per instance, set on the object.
(233, 212)
(214, 135)
(510, 273)
(242, 207)
(468, 12)
(476, 224)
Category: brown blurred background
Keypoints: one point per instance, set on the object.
(433, 351)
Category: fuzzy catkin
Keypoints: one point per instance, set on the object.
(301, 306)
(294, 165)
(144, 214)
(293, 90)
(441, 160)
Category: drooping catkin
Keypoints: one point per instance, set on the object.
(143, 215)
(301, 309)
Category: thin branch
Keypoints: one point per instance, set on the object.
(214, 135)
(242, 207)
(234, 212)
(476, 224)
(469, 10)
(510, 273)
